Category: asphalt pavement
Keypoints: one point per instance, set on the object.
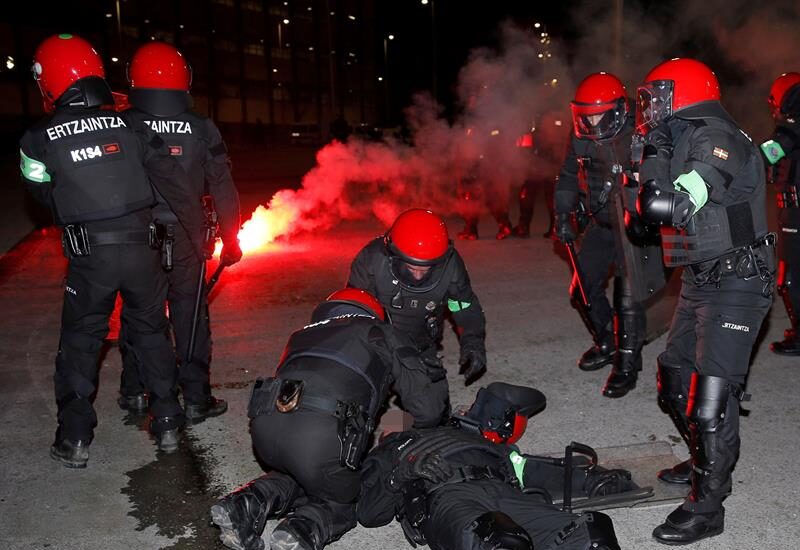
(130, 496)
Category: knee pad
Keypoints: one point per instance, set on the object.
(601, 531)
(670, 385)
(497, 531)
(708, 401)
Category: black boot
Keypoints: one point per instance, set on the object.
(630, 335)
(685, 527)
(790, 345)
(295, 533)
(672, 399)
(72, 454)
(503, 231)
(196, 413)
(600, 354)
(134, 404)
(622, 379)
(166, 431)
(242, 515)
(713, 424)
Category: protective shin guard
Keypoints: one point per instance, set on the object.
(496, 530)
(629, 331)
(672, 399)
(713, 425)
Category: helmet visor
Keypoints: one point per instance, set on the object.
(653, 104)
(414, 277)
(598, 121)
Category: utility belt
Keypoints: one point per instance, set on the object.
(749, 262)
(77, 241)
(788, 199)
(164, 240)
(355, 425)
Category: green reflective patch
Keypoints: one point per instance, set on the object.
(455, 306)
(694, 184)
(518, 462)
(65, 36)
(32, 169)
(773, 151)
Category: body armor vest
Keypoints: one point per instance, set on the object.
(345, 340)
(95, 156)
(410, 311)
(601, 167)
(718, 229)
(449, 442)
(186, 137)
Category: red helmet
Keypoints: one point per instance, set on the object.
(501, 411)
(157, 65)
(418, 248)
(60, 61)
(600, 106)
(418, 237)
(778, 90)
(671, 86)
(357, 297)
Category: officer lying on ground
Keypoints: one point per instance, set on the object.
(312, 422)
(464, 486)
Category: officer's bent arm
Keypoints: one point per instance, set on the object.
(714, 158)
(783, 141)
(220, 184)
(566, 191)
(466, 309)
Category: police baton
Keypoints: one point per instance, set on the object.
(198, 298)
(582, 303)
(214, 277)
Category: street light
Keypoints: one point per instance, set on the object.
(424, 2)
(391, 37)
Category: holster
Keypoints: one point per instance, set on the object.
(75, 241)
(163, 239)
(262, 397)
(355, 429)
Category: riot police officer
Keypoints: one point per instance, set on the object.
(703, 181)
(466, 487)
(782, 153)
(597, 160)
(91, 168)
(160, 78)
(416, 274)
(312, 422)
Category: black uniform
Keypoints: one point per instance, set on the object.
(726, 292)
(785, 174)
(595, 169)
(459, 488)
(333, 379)
(419, 312)
(94, 168)
(195, 142)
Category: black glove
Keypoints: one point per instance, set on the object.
(659, 137)
(231, 252)
(564, 230)
(473, 365)
(431, 468)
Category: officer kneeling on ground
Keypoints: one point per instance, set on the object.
(311, 424)
(416, 274)
(466, 487)
(93, 168)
